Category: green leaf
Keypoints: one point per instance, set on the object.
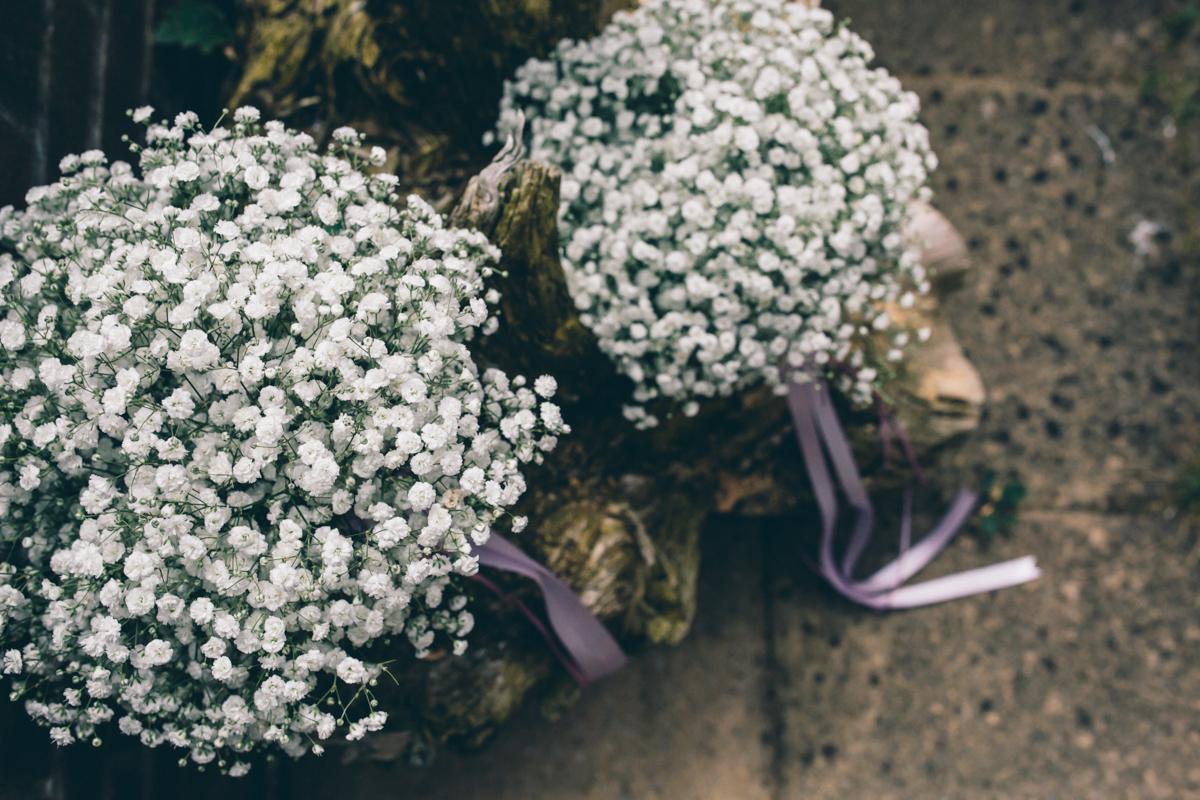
(1014, 493)
(194, 23)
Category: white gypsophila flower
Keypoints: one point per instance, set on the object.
(735, 185)
(243, 438)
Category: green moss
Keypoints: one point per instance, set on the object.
(200, 24)
(1000, 502)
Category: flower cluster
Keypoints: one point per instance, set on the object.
(242, 438)
(736, 183)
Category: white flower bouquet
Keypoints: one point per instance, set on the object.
(242, 439)
(738, 186)
(737, 181)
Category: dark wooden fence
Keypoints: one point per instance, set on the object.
(69, 69)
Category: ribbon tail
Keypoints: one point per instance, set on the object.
(915, 559)
(963, 584)
(897, 430)
(584, 638)
(551, 641)
(810, 406)
(816, 424)
(799, 404)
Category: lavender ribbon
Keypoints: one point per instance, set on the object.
(579, 640)
(588, 650)
(816, 424)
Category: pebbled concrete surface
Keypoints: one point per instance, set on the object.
(1085, 684)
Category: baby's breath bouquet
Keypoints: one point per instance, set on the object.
(736, 184)
(737, 187)
(242, 438)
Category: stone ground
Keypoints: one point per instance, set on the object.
(1085, 684)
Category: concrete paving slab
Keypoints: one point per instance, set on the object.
(1085, 346)
(1048, 42)
(1085, 684)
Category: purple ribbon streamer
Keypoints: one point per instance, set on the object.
(537, 623)
(816, 424)
(580, 641)
(589, 652)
